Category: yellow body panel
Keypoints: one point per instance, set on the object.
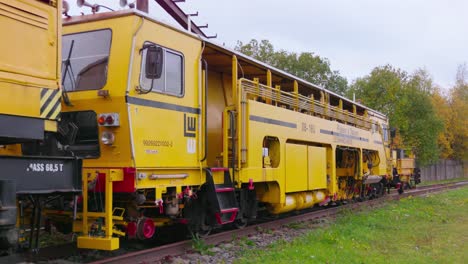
(405, 166)
(296, 158)
(100, 243)
(158, 133)
(29, 57)
(317, 167)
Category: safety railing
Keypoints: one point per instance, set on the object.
(290, 100)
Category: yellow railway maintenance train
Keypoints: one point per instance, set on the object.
(31, 174)
(174, 128)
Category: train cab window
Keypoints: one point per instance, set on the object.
(172, 77)
(85, 58)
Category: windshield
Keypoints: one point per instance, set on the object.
(85, 57)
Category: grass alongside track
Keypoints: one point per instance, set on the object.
(431, 229)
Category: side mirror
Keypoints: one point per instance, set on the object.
(154, 62)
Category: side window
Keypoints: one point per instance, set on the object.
(385, 132)
(172, 76)
(271, 152)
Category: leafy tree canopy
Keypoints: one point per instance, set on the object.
(452, 107)
(305, 65)
(406, 100)
(458, 122)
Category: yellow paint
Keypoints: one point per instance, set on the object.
(297, 201)
(296, 94)
(99, 243)
(269, 192)
(234, 80)
(30, 59)
(116, 175)
(317, 168)
(10, 150)
(296, 177)
(405, 166)
(278, 93)
(50, 126)
(269, 83)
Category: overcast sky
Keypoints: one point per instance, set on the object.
(355, 35)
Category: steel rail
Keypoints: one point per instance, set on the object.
(180, 248)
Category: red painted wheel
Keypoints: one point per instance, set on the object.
(146, 228)
(131, 229)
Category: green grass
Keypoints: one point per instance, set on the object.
(200, 246)
(431, 229)
(425, 183)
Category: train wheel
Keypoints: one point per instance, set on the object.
(201, 228)
(204, 231)
(201, 231)
(400, 190)
(240, 223)
(379, 189)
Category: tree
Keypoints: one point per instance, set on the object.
(406, 100)
(382, 90)
(441, 103)
(459, 121)
(452, 108)
(305, 65)
(424, 126)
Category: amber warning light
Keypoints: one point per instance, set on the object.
(109, 120)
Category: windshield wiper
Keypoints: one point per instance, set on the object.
(68, 67)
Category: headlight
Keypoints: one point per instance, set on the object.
(107, 138)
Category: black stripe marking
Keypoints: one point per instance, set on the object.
(272, 121)
(49, 115)
(161, 105)
(47, 102)
(329, 132)
(43, 92)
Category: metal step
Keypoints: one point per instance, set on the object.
(223, 196)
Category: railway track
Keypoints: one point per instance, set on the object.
(158, 253)
(180, 248)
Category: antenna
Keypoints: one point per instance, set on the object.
(124, 3)
(65, 8)
(94, 7)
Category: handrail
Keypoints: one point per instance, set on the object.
(254, 90)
